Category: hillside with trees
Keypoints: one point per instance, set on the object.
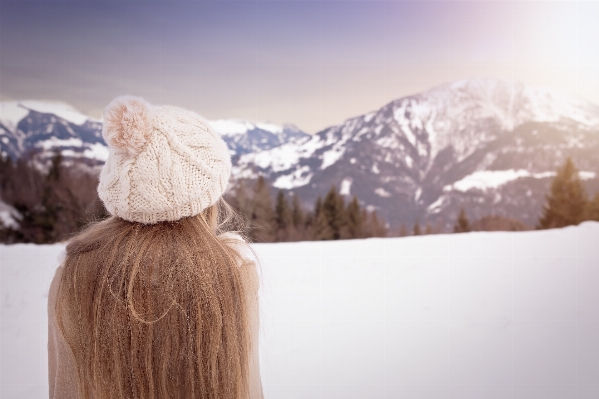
(43, 207)
(50, 206)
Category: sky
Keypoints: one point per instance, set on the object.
(309, 63)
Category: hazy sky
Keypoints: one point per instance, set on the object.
(310, 63)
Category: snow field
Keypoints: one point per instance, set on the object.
(477, 315)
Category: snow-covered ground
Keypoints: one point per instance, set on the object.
(478, 315)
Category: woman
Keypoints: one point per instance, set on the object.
(158, 300)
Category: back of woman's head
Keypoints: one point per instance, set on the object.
(152, 302)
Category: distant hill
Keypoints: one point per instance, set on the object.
(45, 127)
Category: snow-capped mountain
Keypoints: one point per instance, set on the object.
(488, 145)
(43, 127)
(48, 126)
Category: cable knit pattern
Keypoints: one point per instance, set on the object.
(182, 168)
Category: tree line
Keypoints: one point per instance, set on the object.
(57, 203)
(284, 219)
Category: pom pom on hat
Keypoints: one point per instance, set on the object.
(127, 124)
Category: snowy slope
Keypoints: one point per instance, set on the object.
(405, 158)
(468, 316)
(9, 216)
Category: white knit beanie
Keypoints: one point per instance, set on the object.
(164, 163)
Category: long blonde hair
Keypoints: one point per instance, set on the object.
(157, 311)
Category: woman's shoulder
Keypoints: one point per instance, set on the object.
(232, 236)
(239, 243)
(248, 260)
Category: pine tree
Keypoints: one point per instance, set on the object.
(55, 166)
(593, 209)
(283, 217)
(263, 216)
(309, 221)
(321, 228)
(297, 214)
(566, 201)
(462, 225)
(333, 208)
(298, 220)
(317, 206)
(355, 228)
(417, 230)
(6, 170)
(47, 216)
